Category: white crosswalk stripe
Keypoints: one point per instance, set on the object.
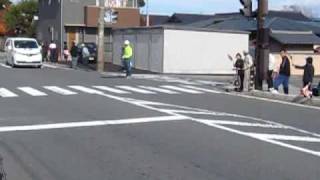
(138, 90)
(85, 89)
(175, 88)
(59, 90)
(161, 90)
(201, 89)
(112, 90)
(31, 91)
(5, 93)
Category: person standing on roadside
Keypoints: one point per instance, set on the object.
(308, 73)
(53, 52)
(74, 55)
(271, 71)
(85, 54)
(248, 63)
(284, 73)
(127, 57)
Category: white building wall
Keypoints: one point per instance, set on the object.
(199, 52)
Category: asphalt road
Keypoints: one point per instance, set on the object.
(59, 124)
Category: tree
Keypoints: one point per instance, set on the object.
(4, 4)
(19, 18)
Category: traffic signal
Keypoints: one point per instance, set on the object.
(247, 8)
(114, 16)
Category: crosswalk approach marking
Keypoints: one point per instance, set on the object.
(5, 93)
(113, 90)
(134, 89)
(182, 89)
(86, 90)
(157, 89)
(201, 89)
(59, 90)
(31, 91)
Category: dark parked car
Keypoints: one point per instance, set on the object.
(92, 47)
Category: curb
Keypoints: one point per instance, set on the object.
(287, 98)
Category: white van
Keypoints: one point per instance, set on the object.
(23, 52)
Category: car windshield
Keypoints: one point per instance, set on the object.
(25, 44)
(90, 45)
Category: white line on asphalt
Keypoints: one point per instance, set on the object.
(86, 90)
(31, 91)
(38, 127)
(59, 90)
(308, 151)
(112, 90)
(246, 124)
(55, 66)
(161, 90)
(272, 100)
(134, 89)
(175, 88)
(285, 137)
(5, 66)
(201, 89)
(5, 93)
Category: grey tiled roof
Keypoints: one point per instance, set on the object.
(303, 38)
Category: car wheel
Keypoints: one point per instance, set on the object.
(39, 67)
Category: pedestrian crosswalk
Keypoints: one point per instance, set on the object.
(70, 90)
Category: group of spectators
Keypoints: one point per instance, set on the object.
(277, 75)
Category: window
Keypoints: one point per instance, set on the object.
(24, 44)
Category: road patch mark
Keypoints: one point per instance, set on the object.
(112, 90)
(286, 137)
(138, 90)
(38, 127)
(31, 91)
(5, 93)
(201, 89)
(246, 124)
(161, 90)
(59, 90)
(175, 88)
(86, 90)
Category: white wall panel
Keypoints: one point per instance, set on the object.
(198, 52)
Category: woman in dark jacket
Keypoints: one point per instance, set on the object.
(308, 73)
(239, 65)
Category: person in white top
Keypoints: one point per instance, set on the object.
(248, 63)
(53, 51)
(271, 71)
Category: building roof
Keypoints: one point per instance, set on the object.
(156, 20)
(179, 18)
(294, 37)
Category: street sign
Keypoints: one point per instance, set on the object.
(107, 16)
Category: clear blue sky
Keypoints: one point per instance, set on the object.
(216, 6)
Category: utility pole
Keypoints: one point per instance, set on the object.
(262, 46)
(100, 64)
(148, 15)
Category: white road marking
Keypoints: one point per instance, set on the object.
(5, 93)
(59, 90)
(31, 91)
(285, 137)
(86, 90)
(134, 89)
(5, 66)
(55, 66)
(38, 127)
(308, 151)
(175, 88)
(157, 89)
(272, 100)
(246, 124)
(113, 90)
(201, 89)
